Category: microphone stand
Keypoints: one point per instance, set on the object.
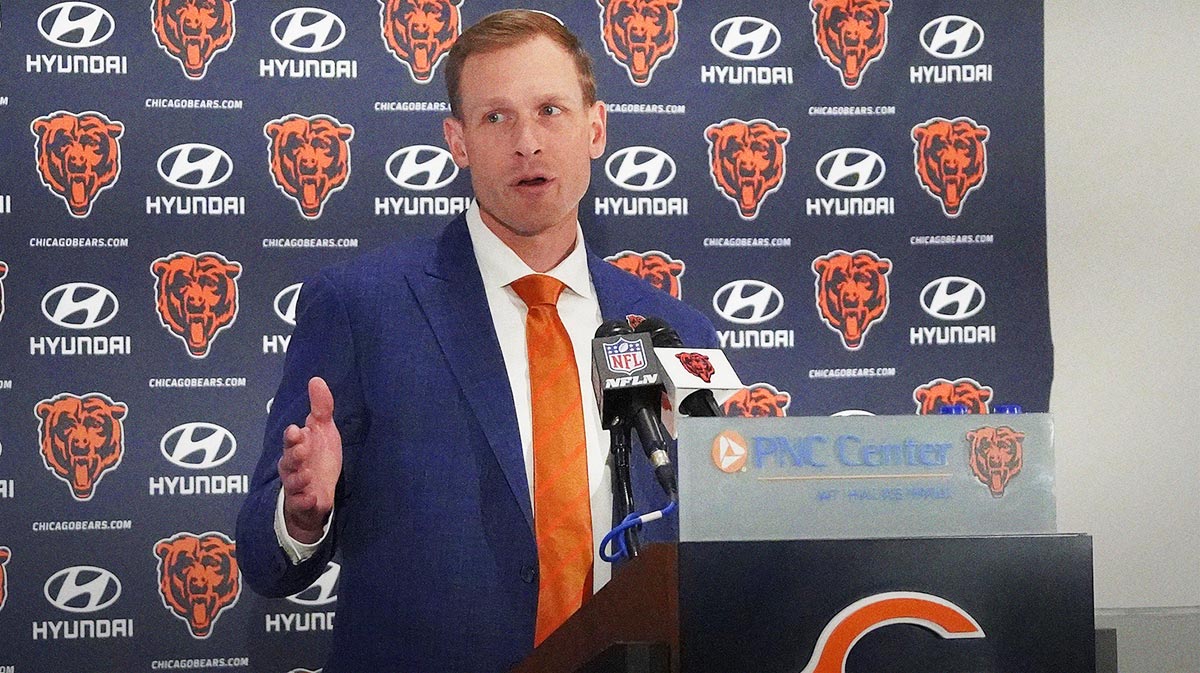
(622, 484)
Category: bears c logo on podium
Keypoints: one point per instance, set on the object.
(996, 456)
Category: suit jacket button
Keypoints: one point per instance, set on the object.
(528, 574)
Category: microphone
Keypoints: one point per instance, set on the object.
(628, 381)
(693, 375)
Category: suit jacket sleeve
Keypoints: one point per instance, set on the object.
(322, 344)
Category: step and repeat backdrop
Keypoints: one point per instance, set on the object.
(852, 190)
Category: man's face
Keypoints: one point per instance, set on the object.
(528, 138)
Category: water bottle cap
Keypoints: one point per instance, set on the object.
(1009, 409)
(953, 409)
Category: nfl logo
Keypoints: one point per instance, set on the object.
(625, 356)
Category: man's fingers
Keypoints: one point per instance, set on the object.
(291, 434)
(320, 400)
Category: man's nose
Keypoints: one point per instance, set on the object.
(528, 141)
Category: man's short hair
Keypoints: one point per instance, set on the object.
(510, 28)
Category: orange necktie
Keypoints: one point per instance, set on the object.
(562, 506)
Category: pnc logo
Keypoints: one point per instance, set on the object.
(951, 37)
(747, 302)
(421, 168)
(193, 31)
(760, 400)
(748, 161)
(851, 169)
(198, 578)
(308, 30)
(78, 156)
(79, 305)
(76, 25)
(847, 627)
(82, 439)
(285, 303)
(198, 446)
(951, 159)
(640, 168)
(639, 34)
(850, 34)
(729, 452)
(852, 293)
(321, 592)
(952, 298)
(82, 589)
(745, 38)
(420, 33)
(195, 166)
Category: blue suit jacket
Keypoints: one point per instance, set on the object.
(433, 519)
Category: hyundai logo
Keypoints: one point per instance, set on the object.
(76, 25)
(82, 589)
(195, 166)
(285, 303)
(747, 302)
(308, 30)
(850, 169)
(952, 298)
(198, 446)
(952, 37)
(79, 305)
(321, 592)
(745, 38)
(421, 168)
(640, 169)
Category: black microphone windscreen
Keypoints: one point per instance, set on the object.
(612, 328)
(662, 335)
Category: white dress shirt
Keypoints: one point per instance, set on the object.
(579, 310)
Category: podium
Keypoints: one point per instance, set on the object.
(765, 578)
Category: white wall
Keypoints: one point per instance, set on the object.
(1123, 189)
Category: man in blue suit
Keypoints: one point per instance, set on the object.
(400, 435)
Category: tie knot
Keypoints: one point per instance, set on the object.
(538, 289)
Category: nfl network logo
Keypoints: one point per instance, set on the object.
(625, 356)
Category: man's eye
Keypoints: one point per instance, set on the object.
(494, 117)
(551, 110)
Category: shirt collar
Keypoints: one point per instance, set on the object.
(499, 265)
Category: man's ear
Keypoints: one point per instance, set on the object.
(598, 116)
(452, 130)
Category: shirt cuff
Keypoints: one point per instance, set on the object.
(297, 552)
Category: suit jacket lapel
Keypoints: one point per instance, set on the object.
(451, 294)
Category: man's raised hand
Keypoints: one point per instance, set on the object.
(310, 466)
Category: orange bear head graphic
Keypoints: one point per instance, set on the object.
(653, 266)
(996, 456)
(639, 34)
(697, 364)
(82, 438)
(761, 400)
(198, 578)
(419, 33)
(5, 554)
(850, 34)
(951, 159)
(938, 393)
(193, 31)
(310, 158)
(78, 156)
(852, 292)
(748, 161)
(197, 296)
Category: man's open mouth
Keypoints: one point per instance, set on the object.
(533, 181)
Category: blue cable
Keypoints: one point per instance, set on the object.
(631, 521)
